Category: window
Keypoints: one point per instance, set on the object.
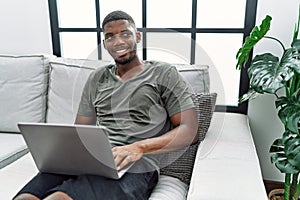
(182, 31)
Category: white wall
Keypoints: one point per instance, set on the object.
(264, 122)
(25, 27)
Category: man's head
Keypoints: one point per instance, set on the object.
(117, 15)
(120, 37)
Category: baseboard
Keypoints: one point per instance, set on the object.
(270, 185)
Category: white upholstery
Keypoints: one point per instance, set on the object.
(196, 76)
(169, 188)
(227, 166)
(15, 176)
(67, 80)
(12, 147)
(23, 90)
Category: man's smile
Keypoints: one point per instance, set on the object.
(121, 51)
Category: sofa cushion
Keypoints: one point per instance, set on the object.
(168, 188)
(182, 161)
(196, 76)
(67, 79)
(12, 147)
(23, 90)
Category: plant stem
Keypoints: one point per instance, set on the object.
(287, 186)
(298, 188)
(268, 37)
(293, 188)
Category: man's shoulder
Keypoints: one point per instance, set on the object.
(160, 65)
(100, 71)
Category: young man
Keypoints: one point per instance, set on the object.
(147, 110)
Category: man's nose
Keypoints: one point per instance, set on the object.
(118, 39)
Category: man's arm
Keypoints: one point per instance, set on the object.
(85, 120)
(184, 133)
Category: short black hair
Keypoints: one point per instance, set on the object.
(117, 15)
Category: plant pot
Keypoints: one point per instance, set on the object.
(276, 194)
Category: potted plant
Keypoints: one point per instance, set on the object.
(268, 74)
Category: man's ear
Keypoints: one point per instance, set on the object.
(138, 36)
(104, 44)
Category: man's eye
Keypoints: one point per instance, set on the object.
(109, 38)
(126, 34)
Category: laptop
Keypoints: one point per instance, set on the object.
(70, 149)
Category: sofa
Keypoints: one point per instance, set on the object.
(223, 165)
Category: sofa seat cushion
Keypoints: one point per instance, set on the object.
(12, 147)
(23, 90)
(168, 188)
(14, 176)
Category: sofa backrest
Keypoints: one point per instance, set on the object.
(68, 76)
(44, 88)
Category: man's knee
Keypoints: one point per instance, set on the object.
(58, 196)
(26, 197)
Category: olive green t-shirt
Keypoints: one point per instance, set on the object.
(138, 108)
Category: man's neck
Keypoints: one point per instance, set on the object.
(129, 70)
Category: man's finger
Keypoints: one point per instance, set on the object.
(124, 162)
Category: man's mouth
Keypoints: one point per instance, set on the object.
(121, 52)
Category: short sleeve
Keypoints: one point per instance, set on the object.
(176, 93)
(86, 107)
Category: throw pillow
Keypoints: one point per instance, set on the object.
(67, 80)
(23, 90)
(182, 161)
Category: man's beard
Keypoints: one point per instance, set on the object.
(126, 61)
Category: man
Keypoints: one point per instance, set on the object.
(147, 110)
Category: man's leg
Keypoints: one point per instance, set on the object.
(58, 196)
(39, 186)
(26, 196)
(131, 186)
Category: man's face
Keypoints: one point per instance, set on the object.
(120, 40)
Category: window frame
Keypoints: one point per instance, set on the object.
(249, 23)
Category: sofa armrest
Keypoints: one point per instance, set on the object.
(12, 147)
(227, 165)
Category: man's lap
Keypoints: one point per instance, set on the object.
(130, 186)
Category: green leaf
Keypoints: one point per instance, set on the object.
(285, 167)
(278, 157)
(293, 119)
(296, 28)
(256, 34)
(287, 136)
(284, 114)
(267, 75)
(289, 113)
(281, 101)
(291, 58)
(251, 94)
(292, 148)
(277, 146)
(286, 156)
(296, 44)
